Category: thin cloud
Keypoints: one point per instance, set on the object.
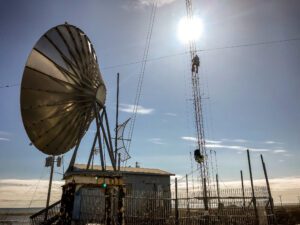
(170, 114)
(157, 141)
(238, 140)
(237, 147)
(193, 139)
(146, 3)
(5, 136)
(272, 142)
(4, 139)
(213, 141)
(128, 108)
(186, 138)
(220, 145)
(279, 151)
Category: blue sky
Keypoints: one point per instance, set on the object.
(251, 93)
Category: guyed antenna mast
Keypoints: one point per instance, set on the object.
(198, 108)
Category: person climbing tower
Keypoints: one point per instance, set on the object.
(198, 156)
(195, 63)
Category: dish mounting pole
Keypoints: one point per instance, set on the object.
(101, 137)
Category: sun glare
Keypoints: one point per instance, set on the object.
(190, 30)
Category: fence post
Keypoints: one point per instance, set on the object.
(121, 198)
(205, 199)
(108, 196)
(187, 195)
(218, 190)
(243, 189)
(252, 188)
(269, 189)
(176, 203)
(119, 161)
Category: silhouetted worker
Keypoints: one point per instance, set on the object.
(195, 63)
(198, 156)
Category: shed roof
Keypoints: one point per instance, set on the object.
(127, 170)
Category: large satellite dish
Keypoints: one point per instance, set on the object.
(60, 87)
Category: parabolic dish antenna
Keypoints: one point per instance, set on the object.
(61, 85)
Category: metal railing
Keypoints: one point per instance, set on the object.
(46, 216)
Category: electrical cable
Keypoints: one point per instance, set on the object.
(204, 50)
(36, 186)
(183, 177)
(142, 73)
(9, 85)
(186, 52)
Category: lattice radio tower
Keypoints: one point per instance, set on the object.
(204, 173)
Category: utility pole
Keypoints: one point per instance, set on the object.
(50, 180)
(50, 160)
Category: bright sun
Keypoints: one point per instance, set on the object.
(190, 30)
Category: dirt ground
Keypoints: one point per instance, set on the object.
(288, 215)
